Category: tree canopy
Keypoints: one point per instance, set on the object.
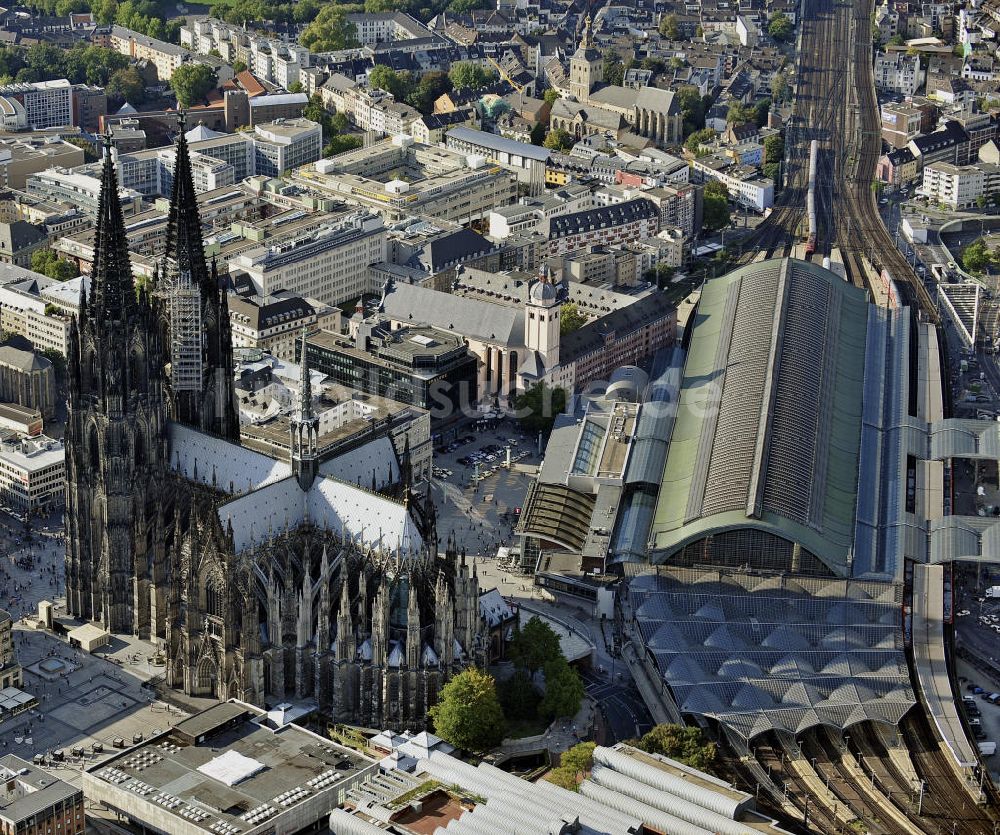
(692, 107)
(192, 82)
(774, 148)
(126, 86)
(534, 645)
(977, 257)
(468, 714)
(386, 78)
(537, 407)
(686, 745)
(715, 206)
(329, 31)
(779, 27)
(668, 27)
(558, 140)
(48, 263)
(574, 765)
(468, 75)
(570, 318)
(563, 690)
(694, 142)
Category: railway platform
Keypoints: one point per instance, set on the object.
(931, 665)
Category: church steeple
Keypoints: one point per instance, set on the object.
(196, 312)
(112, 286)
(304, 427)
(184, 241)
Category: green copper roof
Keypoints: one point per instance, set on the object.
(768, 426)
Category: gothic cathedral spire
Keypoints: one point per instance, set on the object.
(114, 440)
(196, 313)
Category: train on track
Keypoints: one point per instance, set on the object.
(811, 199)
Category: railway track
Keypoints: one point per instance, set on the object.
(947, 804)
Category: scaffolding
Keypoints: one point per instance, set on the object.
(183, 301)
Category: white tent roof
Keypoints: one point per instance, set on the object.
(231, 768)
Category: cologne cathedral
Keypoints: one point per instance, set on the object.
(262, 579)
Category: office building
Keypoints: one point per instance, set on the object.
(285, 144)
(330, 264)
(26, 309)
(32, 474)
(10, 670)
(37, 105)
(33, 802)
(419, 365)
(621, 223)
(20, 157)
(399, 178)
(62, 185)
(524, 159)
(274, 323)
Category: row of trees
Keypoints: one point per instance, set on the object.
(472, 712)
(144, 16)
(242, 12)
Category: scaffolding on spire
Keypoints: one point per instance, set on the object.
(181, 274)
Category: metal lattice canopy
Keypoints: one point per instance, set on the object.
(762, 653)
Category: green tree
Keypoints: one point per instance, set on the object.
(686, 745)
(468, 714)
(774, 148)
(239, 66)
(692, 107)
(662, 275)
(295, 87)
(537, 407)
(463, 6)
(657, 65)
(89, 152)
(48, 263)
(976, 257)
(570, 318)
(563, 690)
(897, 40)
(614, 70)
(172, 29)
(550, 95)
(779, 27)
(329, 31)
(534, 646)
(428, 89)
(668, 27)
(779, 87)
(386, 78)
(468, 75)
(518, 696)
(127, 86)
(699, 32)
(192, 83)
(715, 206)
(700, 137)
(558, 140)
(574, 765)
(340, 144)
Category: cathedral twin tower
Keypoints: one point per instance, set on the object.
(260, 579)
(140, 355)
